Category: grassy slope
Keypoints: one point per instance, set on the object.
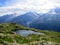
(7, 34)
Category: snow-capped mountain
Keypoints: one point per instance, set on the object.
(23, 19)
(48, 21)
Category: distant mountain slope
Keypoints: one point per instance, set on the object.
(47, 21)
(57, 10)
(4, 18)
(7, 17)
(25, 19)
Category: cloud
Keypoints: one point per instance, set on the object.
(21, 6)
(11, 10)
(56, 1)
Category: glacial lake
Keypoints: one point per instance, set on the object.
(26, 32)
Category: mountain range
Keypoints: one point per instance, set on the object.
(47, 21)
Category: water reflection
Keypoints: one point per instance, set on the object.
(26, 32)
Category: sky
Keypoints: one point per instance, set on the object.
(22, 6)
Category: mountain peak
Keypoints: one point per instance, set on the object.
(54, 10)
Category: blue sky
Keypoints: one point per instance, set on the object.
(2, 2)
(12, 2)
(20, 6)
(8, 2)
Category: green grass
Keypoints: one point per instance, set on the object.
(20, 39)
(7, 33)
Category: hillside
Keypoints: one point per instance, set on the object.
(8, 36)
(47, 22)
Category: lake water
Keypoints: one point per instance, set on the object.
(26, 32)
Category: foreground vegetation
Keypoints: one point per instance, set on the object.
(9, 37)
